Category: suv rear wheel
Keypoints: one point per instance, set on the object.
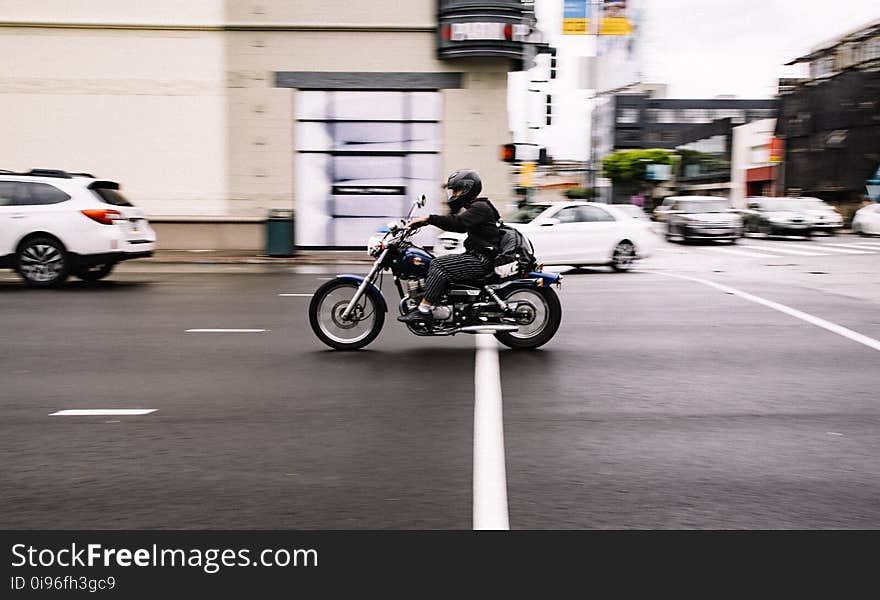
(42, 262)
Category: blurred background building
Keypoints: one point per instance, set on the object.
(211, 112)
(755, 161)
(830, 120)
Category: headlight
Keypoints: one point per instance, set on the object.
(376, 245)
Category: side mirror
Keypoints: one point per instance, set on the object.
(421, 201)
(550, 223)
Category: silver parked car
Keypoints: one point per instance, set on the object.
(703, 218)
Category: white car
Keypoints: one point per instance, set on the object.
(575, 233)
(866, 221)
(825, 217)
(54, 224)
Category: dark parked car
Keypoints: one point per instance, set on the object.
(703, 218)
(777, 216)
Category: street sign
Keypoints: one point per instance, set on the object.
(658, 172)
(776, 150)
(576, 17)
(526, 174)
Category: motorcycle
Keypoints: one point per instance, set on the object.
(348, 312)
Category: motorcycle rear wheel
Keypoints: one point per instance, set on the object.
(325, 316)
(547, 319)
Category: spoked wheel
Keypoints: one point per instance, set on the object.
(538, 317)
(623, 256)
(42, 262)
(95, 273)
(359, 329)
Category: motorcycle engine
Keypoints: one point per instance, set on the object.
(415, 288)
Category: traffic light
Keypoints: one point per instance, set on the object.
(543, 157)
(508, 153)
(549, 109)
(552, 64)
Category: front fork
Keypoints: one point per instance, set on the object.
(368, 280)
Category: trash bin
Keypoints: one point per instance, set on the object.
(279, 233)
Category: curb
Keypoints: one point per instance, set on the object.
(248, 260)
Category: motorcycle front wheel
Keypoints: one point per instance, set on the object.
(325, 316)
(538, 326)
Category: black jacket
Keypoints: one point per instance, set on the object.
(478, 219)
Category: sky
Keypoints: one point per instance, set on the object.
(699, 48)
(704, 48)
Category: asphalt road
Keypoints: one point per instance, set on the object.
(661, 403)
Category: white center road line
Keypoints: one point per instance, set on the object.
(739, 252)
(296, 295)
(783, 250)
(827, 325)
(226, 330)
(490, 474)
(89, 412)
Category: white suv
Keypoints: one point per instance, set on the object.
(54, 224)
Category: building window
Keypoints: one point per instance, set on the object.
(668, 137)
(871, 49)
(629, 136)
(696, 115)
(628, 116)
(663, 115)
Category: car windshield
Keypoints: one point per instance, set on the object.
(782, 204)
(813, 204)
(704, 206)
(527, 213)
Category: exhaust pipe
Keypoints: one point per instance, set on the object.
(493, 328)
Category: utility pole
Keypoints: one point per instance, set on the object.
(594, 81)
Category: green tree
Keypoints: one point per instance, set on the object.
(579, 193)
(628, 168)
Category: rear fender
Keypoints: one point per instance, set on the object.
(372, 290)
(532, 279)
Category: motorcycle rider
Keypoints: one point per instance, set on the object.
(469, 214)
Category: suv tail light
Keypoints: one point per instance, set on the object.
(105, 216)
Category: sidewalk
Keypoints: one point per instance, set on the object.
(252, 257)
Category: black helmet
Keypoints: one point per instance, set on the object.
(467, 182)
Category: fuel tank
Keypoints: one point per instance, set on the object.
(413, 263)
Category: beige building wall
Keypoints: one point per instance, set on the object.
(176, 99)
(143, 104)
(132, 12)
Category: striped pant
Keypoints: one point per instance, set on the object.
(454, 268)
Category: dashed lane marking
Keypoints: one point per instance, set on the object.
(830, 248)
(739, 252)
(296, 295)
(783, 250)
(107, 412)
(226, 330)
(856, 245)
